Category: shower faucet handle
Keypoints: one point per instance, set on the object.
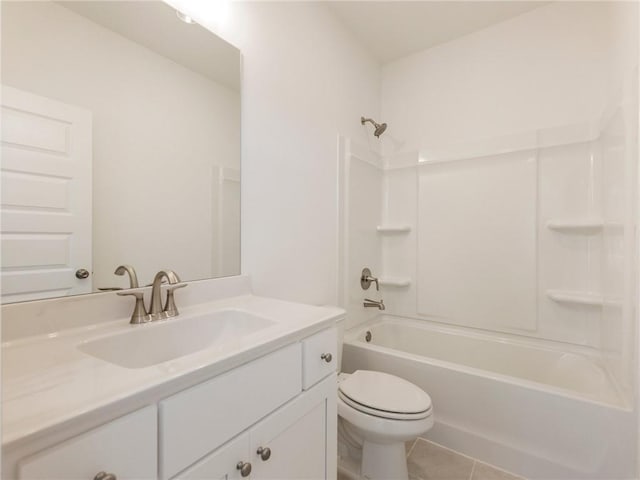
(366, 279)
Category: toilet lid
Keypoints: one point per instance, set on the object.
(384, 393)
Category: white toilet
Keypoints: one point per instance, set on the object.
(377, 414)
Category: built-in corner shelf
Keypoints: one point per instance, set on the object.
(582, 227)
(585, 227)
(394, 281)
(581, 298)
(390, 229)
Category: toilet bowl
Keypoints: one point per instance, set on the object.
(377, 414)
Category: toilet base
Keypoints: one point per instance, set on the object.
(384, 462)
(365, 460)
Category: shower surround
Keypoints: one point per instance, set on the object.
(502, 202)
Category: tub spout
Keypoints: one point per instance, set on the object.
(373, 303)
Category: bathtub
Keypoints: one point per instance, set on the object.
(529, 408)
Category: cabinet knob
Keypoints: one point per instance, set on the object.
(326, 357)
(105, 476)
(265, 453)
(245, 468)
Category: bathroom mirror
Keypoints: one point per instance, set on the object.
(120, 145)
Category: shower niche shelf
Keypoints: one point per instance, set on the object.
(399, 282)
(392, 229)
(584, 227)
(581, 298)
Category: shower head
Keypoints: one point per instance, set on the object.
(380, 128)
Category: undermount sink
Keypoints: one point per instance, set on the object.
(161, 341)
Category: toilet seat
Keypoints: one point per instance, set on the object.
(383, 395)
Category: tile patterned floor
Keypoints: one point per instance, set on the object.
(430, 461)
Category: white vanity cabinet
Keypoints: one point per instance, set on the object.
(300, 434)
(273, 417)
(295, 442)
(198, 420)
(125, 447)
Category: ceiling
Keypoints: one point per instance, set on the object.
(393, 29)
(155, 25)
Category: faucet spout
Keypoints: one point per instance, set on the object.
(156, 310)
(133, 278)
(374, 303)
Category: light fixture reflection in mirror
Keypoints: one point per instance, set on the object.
(211, 13)
(185, 18)
(121, 145)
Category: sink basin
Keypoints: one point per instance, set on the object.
(158, 342)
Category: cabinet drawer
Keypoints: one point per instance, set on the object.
(200, 419)
(314, 366)
(125, 447)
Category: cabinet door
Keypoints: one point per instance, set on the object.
(296, 436)
(221, 464)
(126, 448)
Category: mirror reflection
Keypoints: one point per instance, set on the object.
(120, 146)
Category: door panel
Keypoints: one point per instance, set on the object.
(46, 197)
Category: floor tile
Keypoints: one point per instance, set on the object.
(429, 461)
(483, 471)
(408, 445)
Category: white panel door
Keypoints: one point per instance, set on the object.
(46, 197)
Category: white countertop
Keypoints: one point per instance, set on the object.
(47, 381)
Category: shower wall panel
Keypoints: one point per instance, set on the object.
(477, 241)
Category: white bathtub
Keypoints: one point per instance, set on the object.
(533, 410)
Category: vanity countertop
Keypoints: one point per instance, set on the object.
(47, 381)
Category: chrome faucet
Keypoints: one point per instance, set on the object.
(156, 311)
(170, 310)
(373, 303)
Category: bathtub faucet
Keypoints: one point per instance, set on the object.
(373, 303)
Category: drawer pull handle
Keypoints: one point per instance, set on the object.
(326, 357)
(245, 468)
(265, 453)
(105, 476)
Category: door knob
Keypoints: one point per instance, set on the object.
(82, 274)
(245, 468)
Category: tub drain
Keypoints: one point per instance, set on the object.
(367, 336)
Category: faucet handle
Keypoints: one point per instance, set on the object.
(366, 279)
(140, 314)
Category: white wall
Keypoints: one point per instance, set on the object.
(545, 68)
(153, 166)
(305, 80)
